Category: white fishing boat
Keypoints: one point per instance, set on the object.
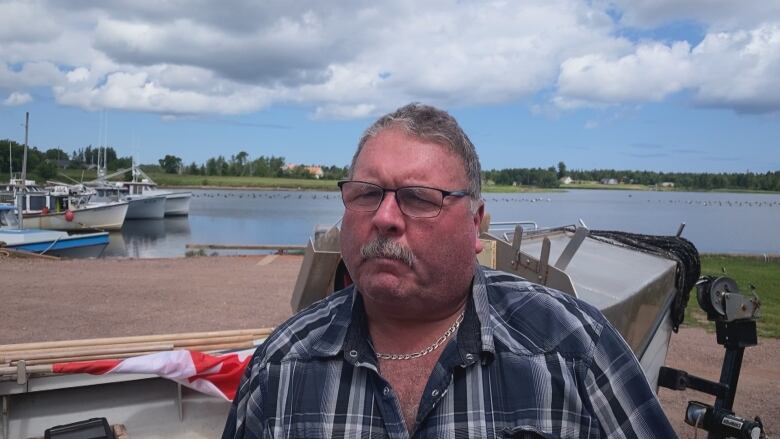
(144, 206)
(48, 242)
(176, 203)
(63, 208)
(147, 200)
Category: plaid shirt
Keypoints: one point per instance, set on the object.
(527, 361)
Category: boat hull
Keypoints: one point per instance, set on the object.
(178, 204)
(146, 207)
(148, 408)
(54, 243)
(109, 216)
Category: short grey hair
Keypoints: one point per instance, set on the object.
(434, 125)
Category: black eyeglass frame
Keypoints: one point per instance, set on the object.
(444, 194)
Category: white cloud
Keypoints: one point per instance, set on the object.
(740, 70)
(352, 59)
(31, 74)
(650, 73)
(16, 99)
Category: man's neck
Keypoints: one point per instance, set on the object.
(398, 333)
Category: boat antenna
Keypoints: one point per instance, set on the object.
(22, 190)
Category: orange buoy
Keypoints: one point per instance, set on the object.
(69, 215)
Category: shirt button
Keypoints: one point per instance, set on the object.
(385, 391)
(435, 393)
(353, 353)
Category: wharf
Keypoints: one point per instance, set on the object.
(49, 300)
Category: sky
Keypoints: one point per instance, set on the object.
(660, 85)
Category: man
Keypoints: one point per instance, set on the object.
(426, 343)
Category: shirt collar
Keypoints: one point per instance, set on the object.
(348, 331)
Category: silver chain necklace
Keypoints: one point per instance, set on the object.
(427, 350)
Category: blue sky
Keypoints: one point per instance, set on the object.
(687, 85)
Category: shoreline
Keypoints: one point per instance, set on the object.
(484, 189)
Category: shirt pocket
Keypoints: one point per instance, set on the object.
(527, 432)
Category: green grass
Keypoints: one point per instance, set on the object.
(242, 182)
(621, 186)
(745, 270)
(220, 181)
(496, 188)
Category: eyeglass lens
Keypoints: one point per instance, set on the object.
(413, 201)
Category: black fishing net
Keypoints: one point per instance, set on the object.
(671, 247)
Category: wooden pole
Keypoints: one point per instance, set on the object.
(259, 332)
(279, 247)
(78, 352)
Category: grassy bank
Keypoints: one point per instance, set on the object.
(298, 183)
(621, 186)
(746, 270)
(164, 179)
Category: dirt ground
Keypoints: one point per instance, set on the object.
(72, 299)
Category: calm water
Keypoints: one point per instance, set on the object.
(716, 222)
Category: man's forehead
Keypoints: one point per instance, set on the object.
(403, 155)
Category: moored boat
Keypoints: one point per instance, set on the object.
(63, 207)
(176, 203)
(103, 216)
(146, 206)
(48, 242)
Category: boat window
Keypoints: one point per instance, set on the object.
(37, 202)
(8, 218)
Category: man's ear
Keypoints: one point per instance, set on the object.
(481, 223)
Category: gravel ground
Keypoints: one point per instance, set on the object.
(72, 299)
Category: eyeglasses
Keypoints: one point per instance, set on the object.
(414, 201)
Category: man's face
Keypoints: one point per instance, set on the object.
(444, 247)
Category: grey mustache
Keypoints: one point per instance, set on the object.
(385, 248)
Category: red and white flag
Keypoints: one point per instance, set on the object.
(216, 375)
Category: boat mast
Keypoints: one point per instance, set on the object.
(22, 190)
(10, 161)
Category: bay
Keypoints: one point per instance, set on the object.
(715, 222)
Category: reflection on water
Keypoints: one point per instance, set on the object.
(716, 222)
(150, 238)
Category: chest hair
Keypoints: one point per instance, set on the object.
(408, 379)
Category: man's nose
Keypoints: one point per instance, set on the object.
(388, 217)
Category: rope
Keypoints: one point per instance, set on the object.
(53, 243)
(671, 247)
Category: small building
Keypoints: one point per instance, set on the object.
(609, 181)
(565, 180)
(668, 184)
(316, 171)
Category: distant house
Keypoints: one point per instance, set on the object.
(609, 181)
(667, 184)
(314, 170)
(565, 180)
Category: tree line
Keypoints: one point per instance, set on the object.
(47, 164)
(240, 165)
(550, 178)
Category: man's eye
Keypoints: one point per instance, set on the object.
(366, 195)
(421, 197)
